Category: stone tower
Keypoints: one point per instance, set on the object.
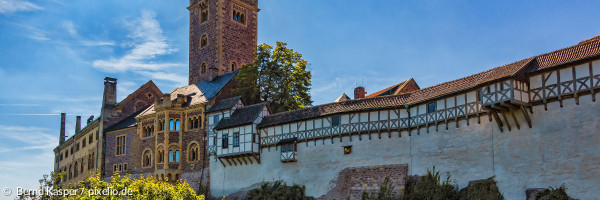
(222, 36)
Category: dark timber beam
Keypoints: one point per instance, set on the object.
(498, 121)
(506, 120)
(527, 118)
(515, 119)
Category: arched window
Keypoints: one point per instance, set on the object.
(242, 19)
(171, 156)
(193, 152)
(177, 156)
(203, 41)
(171, 125)
(204, 15)
(81, 167)
(203, 70)
(233, 66)
(147, 159)
(177, 125)
(75, 170)
(161, 156)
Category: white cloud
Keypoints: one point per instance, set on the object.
(11, 6)
(148, 43)
(70, 28)
(26, 138)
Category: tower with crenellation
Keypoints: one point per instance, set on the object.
(222, 36)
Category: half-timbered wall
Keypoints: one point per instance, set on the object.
(460, 137)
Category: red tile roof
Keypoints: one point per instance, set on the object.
(584, 50)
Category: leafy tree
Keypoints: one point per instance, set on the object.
(277, 76)
(120, 188)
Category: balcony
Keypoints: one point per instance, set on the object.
(508, 91)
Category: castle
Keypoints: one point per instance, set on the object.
(532, 123)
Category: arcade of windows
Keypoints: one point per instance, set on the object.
(239, 16)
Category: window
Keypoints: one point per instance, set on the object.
(177, 156)
(233, 66)
(216, 119)
(287, 148)
(171, 125)
(335, 121)
(75, 169)
(83, 143)
(171, 156)
(203, 41)
(431, 107)
(193, 152)
(120, 148)
(215, 141)
(151, 133)
(347, 149)
(161, 156)
(77, 147)
(225, 142)
(177, 125)
(147, 159)
(91, 138)
(236, 139)
(239, 17)
(478, 95)
(124, 166)
(204, 15)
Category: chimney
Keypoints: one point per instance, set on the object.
(110, 91)
(78, 124)
(90, 119)
(180, 98)
(213, 72)
(166, 100)
(62, 128)
(359, 92)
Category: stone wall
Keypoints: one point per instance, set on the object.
(561, 147)
(352, 182)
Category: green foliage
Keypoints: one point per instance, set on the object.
(278, 191)
(481, 190)
(559, 193)
(386, 192)
(277, 76)
(430, 187)
(121, 188)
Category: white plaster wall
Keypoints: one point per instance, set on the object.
(562, 147)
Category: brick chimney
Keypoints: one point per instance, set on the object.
(213, 72)
(78, 124)
(359, 92)
(62, 128)
(109, 100)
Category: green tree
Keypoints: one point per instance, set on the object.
(278, 190)
(431, 187)
(277, 76)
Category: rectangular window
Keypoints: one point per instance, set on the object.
(125, 166)
(478, 95)
(215, 141)
(225, 142)
(176, 156)
(120, 145)
(216, 119)
(287, 148)
(91, 138)
(83, 143)
(236, 139)
(431, 107)
(115, 168)
(171, 156)
(335, 121)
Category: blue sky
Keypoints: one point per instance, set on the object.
(54, 54)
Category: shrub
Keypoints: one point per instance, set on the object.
(386, 192)
(278, 190)
(481, 190)
(559, 193)
(126, 187)
(430, 187)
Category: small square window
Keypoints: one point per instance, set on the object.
(335, 121)
(431, 107)
(347, 149)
